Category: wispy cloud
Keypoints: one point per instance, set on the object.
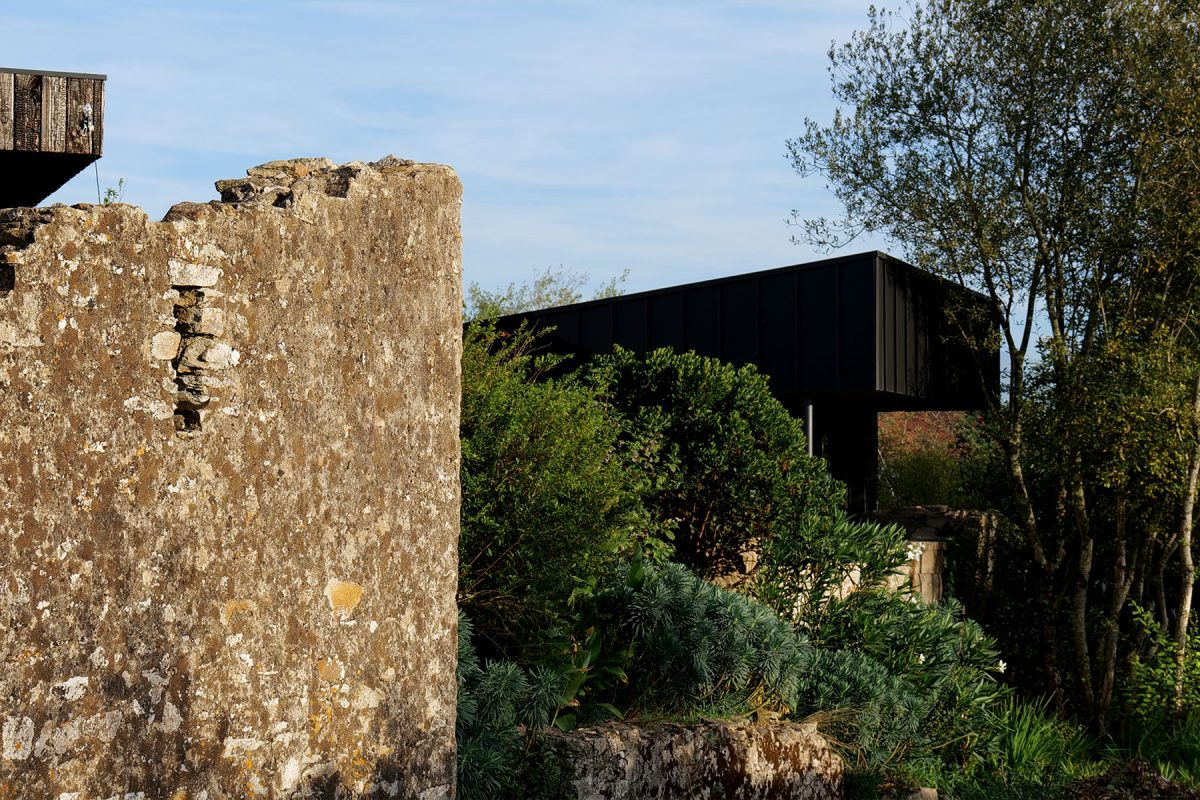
(646, 135)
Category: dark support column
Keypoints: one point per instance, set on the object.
(846, 435)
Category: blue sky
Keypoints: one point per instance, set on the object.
(600, 136)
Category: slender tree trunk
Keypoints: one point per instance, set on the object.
(1160, 592)
(1122, 578)
(1079, 606)
(1044, 592)
(1187, 576)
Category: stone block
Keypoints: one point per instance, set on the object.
(185, 274)
(164, 345)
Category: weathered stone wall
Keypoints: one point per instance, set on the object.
(697, 762)
(229, 496)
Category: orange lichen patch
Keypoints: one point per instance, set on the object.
(234, 607)
(360, 768)
(330, 671)
(343, 596)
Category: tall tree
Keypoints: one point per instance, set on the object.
(1018, 147)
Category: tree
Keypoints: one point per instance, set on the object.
(1042, 152)
(725, 463)
(553, 287)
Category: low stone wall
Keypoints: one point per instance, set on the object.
(229, 499)
(697, 762)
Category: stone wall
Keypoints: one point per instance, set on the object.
(698, 762)
(229, 500)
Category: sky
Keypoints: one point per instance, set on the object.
(598, 137)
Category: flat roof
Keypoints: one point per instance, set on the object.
(53, 74)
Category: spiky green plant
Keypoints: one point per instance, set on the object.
(920, 680)
(692, 643)
(494, 698)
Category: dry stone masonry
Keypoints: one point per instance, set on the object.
(229, 497)
(701, 762)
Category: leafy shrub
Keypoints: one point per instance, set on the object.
(547, 502)
(917, 677)
(692, 645)
(1149, 691)
(726, 463)
(808, 568)
(1156, 728)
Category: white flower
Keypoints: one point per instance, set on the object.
(1000, 667)
(913, 553)
(920, 658)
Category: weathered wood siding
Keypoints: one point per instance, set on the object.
(6, 110)
(51, 112)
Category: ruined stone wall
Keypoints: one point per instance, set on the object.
(229, 491)
(705, 761)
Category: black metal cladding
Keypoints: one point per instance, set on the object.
(866, 327)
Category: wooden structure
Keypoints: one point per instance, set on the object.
(840, 340)
(51, 128)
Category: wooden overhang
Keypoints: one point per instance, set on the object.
(839, 339)
(51, 128)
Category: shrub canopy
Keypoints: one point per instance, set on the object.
(727, 464)
(547, 502)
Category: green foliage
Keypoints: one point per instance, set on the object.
(1043, 152)
(590, 677)
(1158, 728)
(493, 699)
(113, 194)
(1031, 746)
(918, 679)
(726, 463)
(547, 500)
(553, 488)
(553, 287)
(808, 567)
(691, 644)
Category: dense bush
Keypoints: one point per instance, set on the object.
(500, 706)
(919, 677)
(1161, 721)
(806, 569)
(691, 645)
(547, 501)
(726, 462)
(567, 484)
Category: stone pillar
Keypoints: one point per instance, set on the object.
(931, 531)
(229, 500)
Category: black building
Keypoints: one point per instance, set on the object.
(840, 340)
